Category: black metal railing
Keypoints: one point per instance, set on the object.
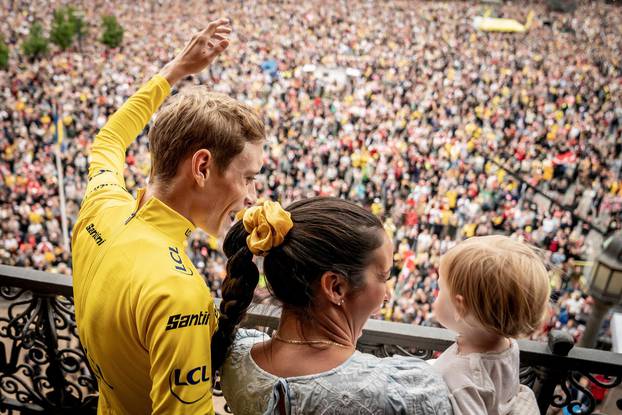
(42, 366)
(43, 369)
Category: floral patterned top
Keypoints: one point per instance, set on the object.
(363, 384)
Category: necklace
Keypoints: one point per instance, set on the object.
(310, 342)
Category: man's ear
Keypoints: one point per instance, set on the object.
(202, 162)
(334, 287)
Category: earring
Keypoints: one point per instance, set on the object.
(341, 302)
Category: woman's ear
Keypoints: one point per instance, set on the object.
(201, 165)
(334, 287)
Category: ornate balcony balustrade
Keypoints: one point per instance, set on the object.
(43, 369)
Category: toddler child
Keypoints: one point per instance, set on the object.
(492, 290)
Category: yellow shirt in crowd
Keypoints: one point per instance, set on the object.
(145, 315)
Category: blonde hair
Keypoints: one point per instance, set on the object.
(194, 119)
(504, 283)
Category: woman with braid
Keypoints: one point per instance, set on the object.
(327, 261)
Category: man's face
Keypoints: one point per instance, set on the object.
(233, 189)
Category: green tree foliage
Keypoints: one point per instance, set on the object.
(78, 24)
(35, 44)
(113, 32)
(62, 28)
(4, 54)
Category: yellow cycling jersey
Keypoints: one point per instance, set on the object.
(145, 316)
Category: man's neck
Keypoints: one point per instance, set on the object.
(169, 196)
(146, 196)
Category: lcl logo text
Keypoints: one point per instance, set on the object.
(185, 384)
(173, 252)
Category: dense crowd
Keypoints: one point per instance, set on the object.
(402, 107)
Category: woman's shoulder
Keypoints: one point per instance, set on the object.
(404, 382)
(239, 372)
(406, 371)
(245, 339)
(392, 364)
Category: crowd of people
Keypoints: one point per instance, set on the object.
(441, 130)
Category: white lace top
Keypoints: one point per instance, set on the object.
(364, 384)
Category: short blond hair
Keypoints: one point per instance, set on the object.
(194, 119)
(504, 283)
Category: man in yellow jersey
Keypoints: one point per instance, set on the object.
(145, 316)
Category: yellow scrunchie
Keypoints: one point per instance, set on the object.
(267, 225)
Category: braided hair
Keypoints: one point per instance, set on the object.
(237, 291)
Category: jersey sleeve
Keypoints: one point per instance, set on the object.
(107, 156)
(175, 318)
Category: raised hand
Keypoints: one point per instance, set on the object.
(199, 52)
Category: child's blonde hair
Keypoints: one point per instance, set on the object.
(504, 283)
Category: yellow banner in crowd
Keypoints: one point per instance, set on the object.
(494, 24)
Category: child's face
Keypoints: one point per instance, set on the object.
(444, 308)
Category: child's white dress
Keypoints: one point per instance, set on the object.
(486, 383)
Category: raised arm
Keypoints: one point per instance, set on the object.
(108, 150)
